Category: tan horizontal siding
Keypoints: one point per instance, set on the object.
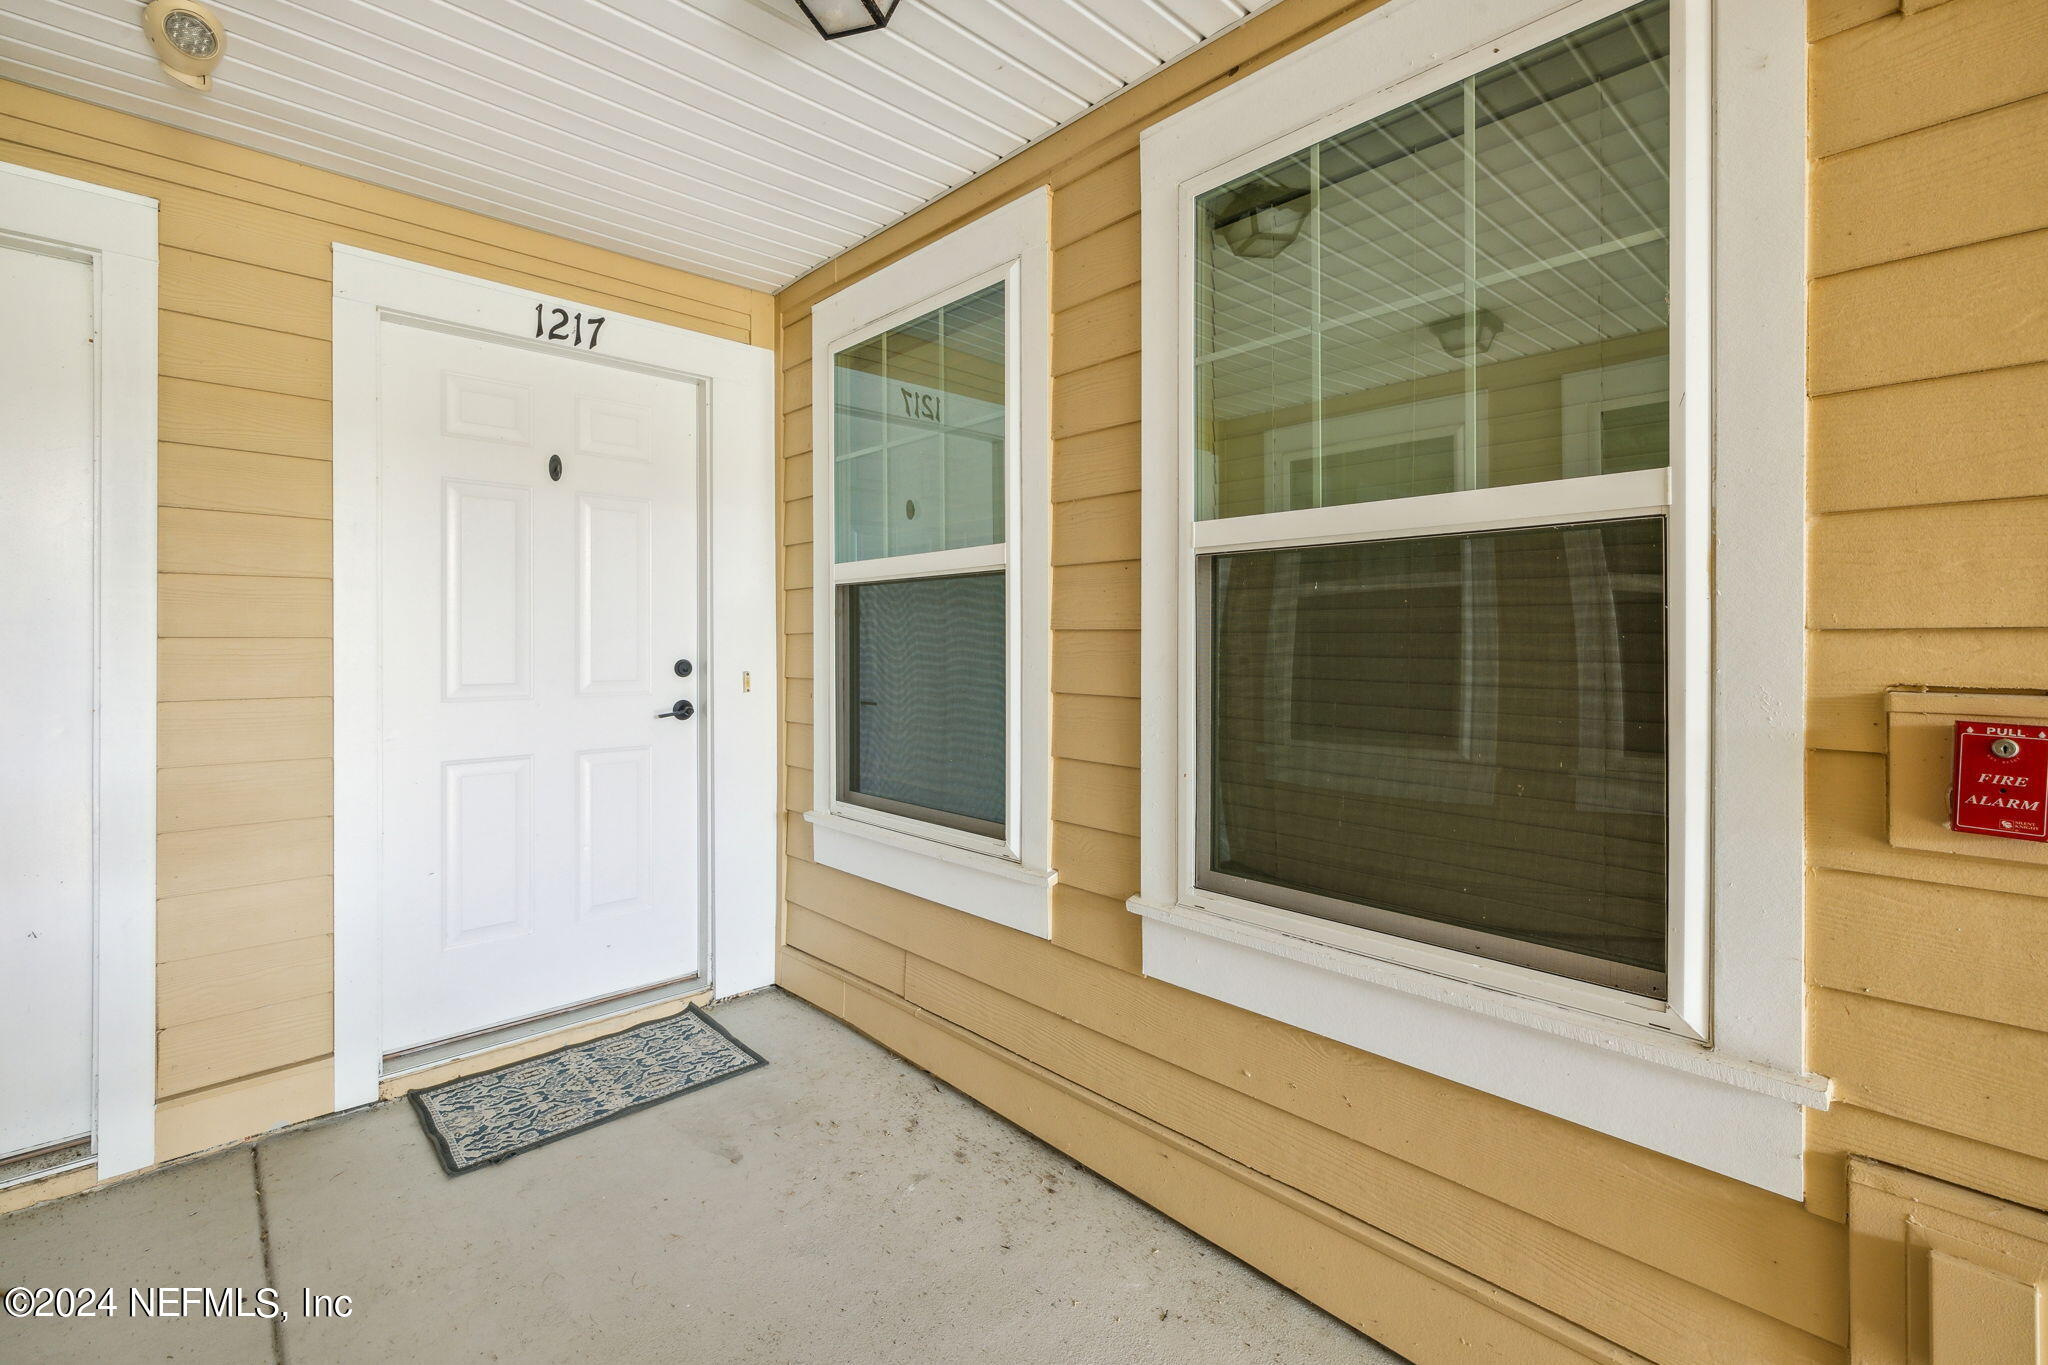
(1952, 949)
(1947, 186)
(1094, 465)
(1960, 438)
(256, 608)
(245, 607)
(194, 477)
(211, 922)
(1975, 307)
(1925, 469)
(217, 795)
(1825, 17)
(1879, 80)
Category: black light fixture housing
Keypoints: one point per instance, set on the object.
(844, 18)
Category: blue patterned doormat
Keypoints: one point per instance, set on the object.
(491, 1117)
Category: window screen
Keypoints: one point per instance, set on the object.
(924, 728)
(1420, 736)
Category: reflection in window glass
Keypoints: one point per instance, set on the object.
(924, 685)
(1457, 738)
(918, 446)
(1470, 291)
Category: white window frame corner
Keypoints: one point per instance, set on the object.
(115, 232)
(736, 501)
(1717, 1077)
(1008, 882)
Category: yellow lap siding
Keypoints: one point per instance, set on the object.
(223, 417)
(1961, 438)
(1947, 186)
(211, 922)
(227, 1047)
(1948, 948)
(253, 730)
(215, 796)
(1883, 79)
(243, 481)
(257, 608)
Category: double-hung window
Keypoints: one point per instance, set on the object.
(930, 573)
(1433, 635)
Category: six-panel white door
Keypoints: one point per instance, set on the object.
(47, 626)
(538, 578)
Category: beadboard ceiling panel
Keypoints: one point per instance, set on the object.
(719, 136)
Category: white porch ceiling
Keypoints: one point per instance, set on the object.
(719, 136)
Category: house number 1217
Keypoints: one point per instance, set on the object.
(559, 324)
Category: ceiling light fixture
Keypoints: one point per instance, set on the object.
(1261, 219)
(844, 18)
(188, 37)
(1468, 334)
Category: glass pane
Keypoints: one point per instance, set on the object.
(924, 681)
(918, 436)
(1462, 293)
(1458, 739)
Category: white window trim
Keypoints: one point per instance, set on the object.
(1720, 1079)
(1008, 881)
(116, 234)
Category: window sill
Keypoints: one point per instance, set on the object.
(993, 888)
(1744, 1119)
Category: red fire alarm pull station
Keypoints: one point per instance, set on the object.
(2001, 780)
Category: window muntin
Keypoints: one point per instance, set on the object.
(1473, 248)
(920, 551)
(924, 725)
(1475, 298)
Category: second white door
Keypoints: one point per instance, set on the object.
(538, 579)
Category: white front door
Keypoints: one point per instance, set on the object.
(47, 628)
(538, 586)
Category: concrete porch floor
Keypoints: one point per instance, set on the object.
(837, 1205)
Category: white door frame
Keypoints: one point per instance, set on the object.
(738, 673)
(116, 234)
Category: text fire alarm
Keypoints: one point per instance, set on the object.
(2001, 780)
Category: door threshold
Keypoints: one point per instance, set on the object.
(533, 1026)
(46, 1161)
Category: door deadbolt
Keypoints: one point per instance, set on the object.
(555, 468)
(684, 668)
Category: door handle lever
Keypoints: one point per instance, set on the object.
(682, 710)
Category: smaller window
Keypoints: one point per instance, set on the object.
(931, 572)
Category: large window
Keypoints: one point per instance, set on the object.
(1443, 306)
(931, 571)
(1472, 553)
